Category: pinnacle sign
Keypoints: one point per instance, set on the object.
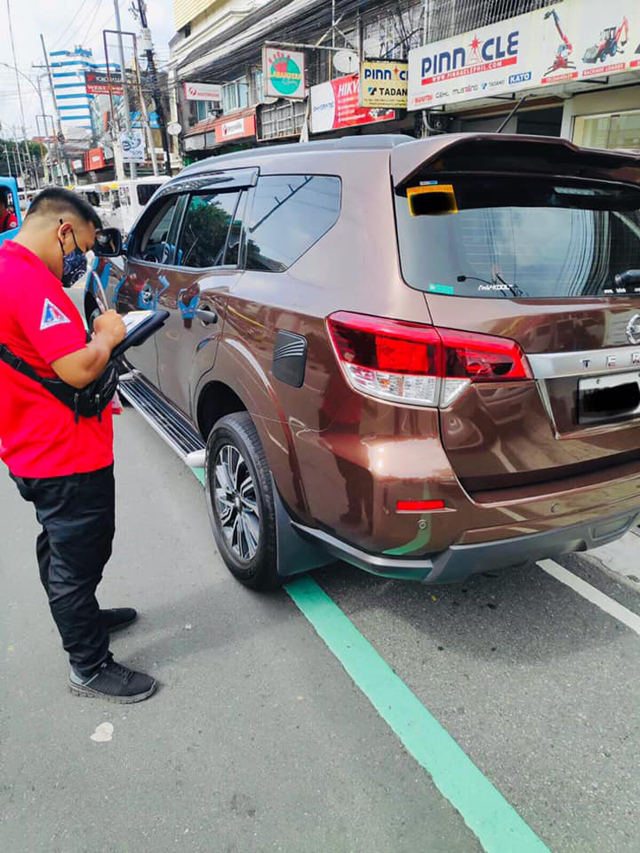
(564, 44)
(284, 73)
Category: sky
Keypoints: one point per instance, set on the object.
(64, 25)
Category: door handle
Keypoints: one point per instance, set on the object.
(206, 315)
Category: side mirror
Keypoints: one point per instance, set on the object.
(108, 243)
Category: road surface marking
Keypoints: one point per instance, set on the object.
(622, 614)
(495, 823)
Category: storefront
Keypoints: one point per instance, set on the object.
(221, 135)
(606, 119)
(573, 67)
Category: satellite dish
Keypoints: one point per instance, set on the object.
(346, 61)
(371, 47)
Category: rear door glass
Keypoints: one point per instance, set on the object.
(529, 238)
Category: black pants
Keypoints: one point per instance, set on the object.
(77, 514)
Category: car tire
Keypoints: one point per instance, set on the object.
(240, 502)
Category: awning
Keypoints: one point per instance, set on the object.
(212, 133)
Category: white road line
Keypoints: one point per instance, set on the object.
(622, 614)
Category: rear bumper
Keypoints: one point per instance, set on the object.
(459, 561)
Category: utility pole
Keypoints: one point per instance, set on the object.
(125, 93)
(12, 150)
(30, 165)
(153, 74)
(64, 169)
(144, 117)
(44, 168)
(16, 151)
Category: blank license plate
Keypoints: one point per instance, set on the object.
(608, 398)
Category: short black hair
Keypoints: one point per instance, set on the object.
(4, 198)
(58, 201)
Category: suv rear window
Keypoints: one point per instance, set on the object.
(531, 238)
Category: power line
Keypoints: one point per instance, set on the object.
(65, 32)
(92, 21)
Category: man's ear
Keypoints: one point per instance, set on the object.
(63, 229)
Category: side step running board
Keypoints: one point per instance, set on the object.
(170, 425)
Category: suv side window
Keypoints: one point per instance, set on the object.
(290, 213)
(207, 224)
(151, 242)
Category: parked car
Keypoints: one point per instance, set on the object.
(420, 357)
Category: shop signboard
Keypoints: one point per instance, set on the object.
(383, 84)
(283, 73)
(573, 40)
(132, 145)
(334, 105)
(202, 92)
(97, 83)
(235, 128)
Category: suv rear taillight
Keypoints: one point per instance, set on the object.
(420, 365)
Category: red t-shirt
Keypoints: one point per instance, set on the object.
(8, 222)
(39, 323)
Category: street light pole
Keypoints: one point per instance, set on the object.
(38, 91)
(29, 161)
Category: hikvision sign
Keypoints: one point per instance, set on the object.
(572, 40)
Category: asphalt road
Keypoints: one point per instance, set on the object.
(258, 740)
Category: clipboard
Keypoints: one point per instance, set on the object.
(140, 326)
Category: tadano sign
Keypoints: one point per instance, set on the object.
(383, 84)
(571, 40)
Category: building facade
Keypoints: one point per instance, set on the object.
(544, 67)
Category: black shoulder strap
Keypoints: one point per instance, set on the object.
(18, 364)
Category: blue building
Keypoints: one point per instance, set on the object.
(72, 99)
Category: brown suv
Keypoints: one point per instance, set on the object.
(421, 357)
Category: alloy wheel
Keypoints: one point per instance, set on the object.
(236, 502)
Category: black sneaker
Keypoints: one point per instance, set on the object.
(115, 683)
(117, 618)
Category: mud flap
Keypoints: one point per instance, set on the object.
(296, 555)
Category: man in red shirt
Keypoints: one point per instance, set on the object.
(63, 467)
(8, 219)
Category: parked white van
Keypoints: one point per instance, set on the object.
(133, 196)
(119, 203)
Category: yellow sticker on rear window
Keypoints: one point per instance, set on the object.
(434, 200)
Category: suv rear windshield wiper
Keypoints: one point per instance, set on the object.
(629, 277)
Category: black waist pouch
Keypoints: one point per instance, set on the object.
(88, 402)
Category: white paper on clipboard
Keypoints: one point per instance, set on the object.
(135, 318)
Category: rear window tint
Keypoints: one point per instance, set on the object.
(290, 213)
(534, 239)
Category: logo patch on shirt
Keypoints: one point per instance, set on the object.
(52, 316)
